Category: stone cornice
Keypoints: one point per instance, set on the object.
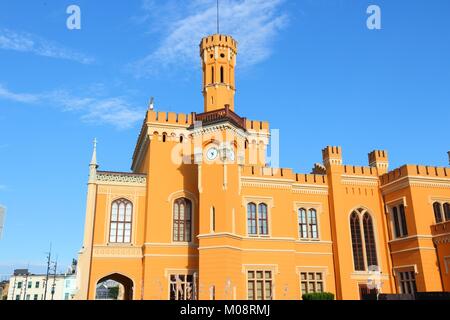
(416, 181)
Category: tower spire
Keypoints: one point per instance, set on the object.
(93, 165)
(94, 153)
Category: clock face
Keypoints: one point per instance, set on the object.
(212, 153)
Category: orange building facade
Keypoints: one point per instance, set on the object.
(203, 216)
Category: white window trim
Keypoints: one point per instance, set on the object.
(319, 211)
(390, 210)
(268, 201)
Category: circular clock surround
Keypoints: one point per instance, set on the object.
(212, 153)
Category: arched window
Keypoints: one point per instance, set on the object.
(363, 240)
(437, 212)
(302, 223)
(121, 220)
(369, 238)
(312, 222)
(251, 219)
(358, 255)
(263, 219)
(182, 220)
(447, 211)
(222, 80)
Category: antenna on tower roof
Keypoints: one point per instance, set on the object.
(218, 22)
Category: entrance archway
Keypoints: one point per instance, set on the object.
(114, 287)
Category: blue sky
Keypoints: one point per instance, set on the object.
(310, 67)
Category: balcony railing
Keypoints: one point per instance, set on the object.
(217, 116)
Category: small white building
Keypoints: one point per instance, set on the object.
(26, 286)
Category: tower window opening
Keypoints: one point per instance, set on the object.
(221, 75)
(212, 74)
(222, 55)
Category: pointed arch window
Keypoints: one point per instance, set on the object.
(182, 220)
(358, 255)
(369, 237)
(121, 221)
(363, 240)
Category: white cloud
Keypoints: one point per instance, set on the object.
(115, 111)
(26, 42)
(253, 23)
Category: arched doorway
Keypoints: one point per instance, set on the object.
(114, 287)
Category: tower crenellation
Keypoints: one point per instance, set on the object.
(218, 53)
(332, 155)
(379, 159)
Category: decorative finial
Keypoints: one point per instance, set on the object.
(151, 105)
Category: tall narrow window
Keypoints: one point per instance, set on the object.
(302, 224)
(403, 221)
(263, 219)
(251, 219)
(447, 211)
(358, 256)
(121, 220)
(222, 80)
(396, 219)
(369, 238)
(399, 221)
(212, 75)
(437, 212)
(182, 220)
(312, 221)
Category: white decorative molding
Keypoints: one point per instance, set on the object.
(358, 180)
(121, 178)
(117, 252)
(416, 181)
(310, 189)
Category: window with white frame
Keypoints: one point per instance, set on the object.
(399, 224)
(311, 282)
(121, 220)
(259, 285)
(182, 287)
(308, 223)
(257, 219)
(407, 281)
(441, 211)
